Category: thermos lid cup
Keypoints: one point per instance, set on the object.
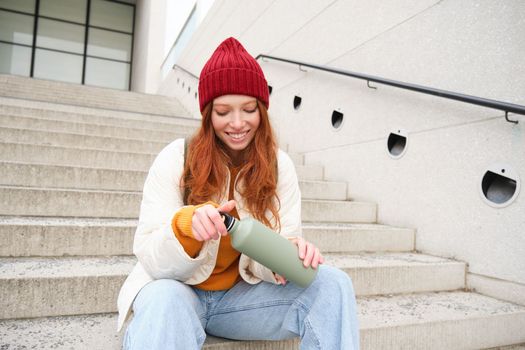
(229, 220)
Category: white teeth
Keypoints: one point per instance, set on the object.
(238, 136)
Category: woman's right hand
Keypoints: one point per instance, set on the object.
(207, 222)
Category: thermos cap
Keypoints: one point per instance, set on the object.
(229, 221)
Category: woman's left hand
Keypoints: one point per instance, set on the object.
(308, 252)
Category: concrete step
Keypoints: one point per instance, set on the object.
(348, 238)
(396, 273)
(25, 129)
(89, 96)
(310, 172)
(430, 321)
(35, 287)
(85, 332)
(71, 177)
(32, 201)
(327, 190)
(68, 156)
(450, 320)
(57, 202)
(62, 139)
(41, 236)
(338, 211)
(55, 176)
(53, 125)
(74, 114)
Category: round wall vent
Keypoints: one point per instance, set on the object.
(297, 102)
(397, 143)
(500, 185)
(337, 119)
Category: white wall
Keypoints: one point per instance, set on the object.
(148, 46)
(474, 47)
(177, 12)
(158, 24)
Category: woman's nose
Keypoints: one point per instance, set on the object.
(236, 120)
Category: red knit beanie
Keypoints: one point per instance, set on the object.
(231, 70)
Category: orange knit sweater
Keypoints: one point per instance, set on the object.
(226, 271)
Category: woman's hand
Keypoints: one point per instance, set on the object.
(308, 253)
(207, 223)
(280, 279)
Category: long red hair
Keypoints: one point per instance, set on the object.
(205, 172)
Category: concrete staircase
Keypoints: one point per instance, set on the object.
(88, 96)
(72, 165)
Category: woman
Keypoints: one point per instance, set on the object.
(189, 281)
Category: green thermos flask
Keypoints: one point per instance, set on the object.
(268, 248)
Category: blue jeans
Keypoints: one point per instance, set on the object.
(171, 315)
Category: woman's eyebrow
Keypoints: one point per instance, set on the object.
(228, 105)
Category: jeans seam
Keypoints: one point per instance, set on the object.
(251, 307)
(301, 306)
(314, 336)
(127, 341)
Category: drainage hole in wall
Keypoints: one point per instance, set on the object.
(498, 189)
(189, 88)
(297, 102)
(270, 88)
(195, 95)
(396, 144)
(183, 85)
(337, 119)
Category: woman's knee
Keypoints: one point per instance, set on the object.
(335, 278)
(163, 294)
(161, 307)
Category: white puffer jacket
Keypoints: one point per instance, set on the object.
(160, 255)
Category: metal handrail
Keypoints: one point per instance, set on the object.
(185, 70)
(503, 106)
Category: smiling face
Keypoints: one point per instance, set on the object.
(235, 119)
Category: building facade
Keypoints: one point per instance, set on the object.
(80, 41)
(96, 42)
